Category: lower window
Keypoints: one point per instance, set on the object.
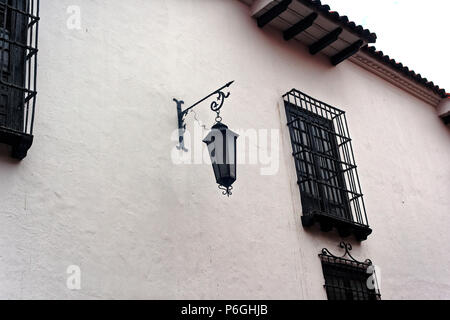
(349, 279)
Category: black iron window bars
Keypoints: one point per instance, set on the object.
(19, 23)
(327, 174)
(347, 278)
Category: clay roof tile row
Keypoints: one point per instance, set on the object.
(325, 9)
(398, 66)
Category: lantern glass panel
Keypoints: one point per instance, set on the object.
(221, 144)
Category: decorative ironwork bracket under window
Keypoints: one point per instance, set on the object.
(347, 247)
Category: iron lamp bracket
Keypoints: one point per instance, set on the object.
(215, 106)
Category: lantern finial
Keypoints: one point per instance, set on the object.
(226, 190)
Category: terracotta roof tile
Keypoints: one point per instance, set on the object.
(370, 37)
(380, 56)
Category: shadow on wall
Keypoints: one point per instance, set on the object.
(329, 237)
(5, 155)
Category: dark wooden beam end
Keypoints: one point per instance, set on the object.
(346, 53)
(300, 26)
(273, 13)
(321, 44)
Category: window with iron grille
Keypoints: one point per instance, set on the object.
(18, 60)
(348, 279)
(327, 176)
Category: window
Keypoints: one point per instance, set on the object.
(18, 54)
(326, 171)
(348, 279)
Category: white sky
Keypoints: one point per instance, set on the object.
(413, 32)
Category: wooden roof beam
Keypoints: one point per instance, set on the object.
(324, 42)
(300, 26)
(346, 53)
(273, 13)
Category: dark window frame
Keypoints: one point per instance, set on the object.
(327, 175)
(347, 278)
(19, 23)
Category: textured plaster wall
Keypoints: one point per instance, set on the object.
(99, 190)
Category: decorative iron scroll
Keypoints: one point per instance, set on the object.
(226, 191)
(347, 257)
(215, 106)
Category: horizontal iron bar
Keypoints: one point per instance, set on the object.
(322, 182)
(342, 171)
(318, 154)
(298, 95)
(14, 43)
(344, 263)
(7, 6)
(16, 87)
(304, 119)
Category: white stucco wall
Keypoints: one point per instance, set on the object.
(99, 189)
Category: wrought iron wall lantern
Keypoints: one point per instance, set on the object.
(221, 141)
